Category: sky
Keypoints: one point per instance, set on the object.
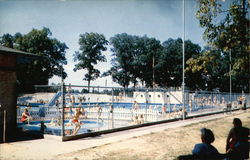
(67, 19)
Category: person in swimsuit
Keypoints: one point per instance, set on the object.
(76, 121)
(99, 112)
(26, 116)
(110, 111)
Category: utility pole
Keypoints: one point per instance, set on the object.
(153, 65)
(230, 74)
(183, 62)
(244, 34)
(153, 77)
(244, 39)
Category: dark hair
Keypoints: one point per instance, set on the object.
(237, 122)
(207, 136)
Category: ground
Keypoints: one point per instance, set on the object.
(164, 145)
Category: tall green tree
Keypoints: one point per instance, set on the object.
(124, 55)
(227, 30)
(149, 52)
(170, 63)
(119, 76)
(91, 47)
(133, 59)
(37, 71)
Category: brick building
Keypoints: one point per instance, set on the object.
(9, 58)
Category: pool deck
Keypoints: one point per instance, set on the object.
(51, 146)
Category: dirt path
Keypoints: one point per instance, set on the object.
(165, 145)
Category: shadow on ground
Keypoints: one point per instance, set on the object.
(24, 136)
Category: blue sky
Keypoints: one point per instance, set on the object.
(67, 19)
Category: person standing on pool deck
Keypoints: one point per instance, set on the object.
(110, 111)
(136, 105)
(99, 112)
(76, 121)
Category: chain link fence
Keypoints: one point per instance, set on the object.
(72, 110)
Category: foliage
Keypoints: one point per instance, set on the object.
(150, 50)
(170, 63)
(39, 70)
(118, 75)
(211, 68)
(225, 31)
(91, 47)
(131, 56)
(124, 54)
(141, 58)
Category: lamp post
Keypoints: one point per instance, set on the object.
(230, 75)
(153, 78)
(183, 62)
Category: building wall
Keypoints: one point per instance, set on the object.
(7, 94)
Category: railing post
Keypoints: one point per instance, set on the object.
(63, 105)
(4, 126)
(112, 122)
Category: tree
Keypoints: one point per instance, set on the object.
(149, 52)
(210, 65)
(145, 59)
(119, 76)
(7, 40)
(131, 56)
(228, 31)
(91, 47)
(37, 71)
(170, 63)
(124, 53)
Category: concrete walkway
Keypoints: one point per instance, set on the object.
(51, 146)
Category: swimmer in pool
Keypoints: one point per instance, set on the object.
(53, 122)
(26, 116)
(69, 123)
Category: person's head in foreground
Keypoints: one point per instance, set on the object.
(237, 122)
(205, 148)
(207, 136)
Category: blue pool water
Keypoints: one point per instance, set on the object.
(156, 106)
(87, 126)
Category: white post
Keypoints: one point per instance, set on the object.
(4, 126)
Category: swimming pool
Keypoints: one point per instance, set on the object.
(86, 127)
(123, 115)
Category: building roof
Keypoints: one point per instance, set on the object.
(7, 50)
